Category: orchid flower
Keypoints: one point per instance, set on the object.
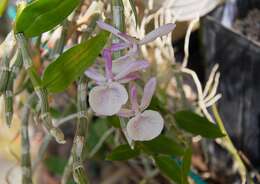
(110, 95)
(144, 124)
(132, 43)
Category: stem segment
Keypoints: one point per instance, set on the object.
(227, 143)
(25, 143)
(39, 89)
(79, 173)
(8, 94)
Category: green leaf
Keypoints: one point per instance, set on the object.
(169, 167)
(161, 145)
(197, 125)
(186, 163)
(114, 121)
(55, 164)
(71, 64)
(43, 15)
(3, 6)
(123, 152)
(132, 3)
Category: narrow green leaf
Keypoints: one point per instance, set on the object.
(43, 15)
(186, 163)
(3, 6)
(197, 125)
(71, 64)
(161, 145)
(132, 3)
(169, 167)
(123, 152)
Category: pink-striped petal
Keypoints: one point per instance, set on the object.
(128, 78)
(108, 99)
(118, 46)
(145, 126)
(111, 29)
(132, 67)
(126, 113)
(160, 31)
(133, 98)
(93, 74)
(148, 93)
(107, 56)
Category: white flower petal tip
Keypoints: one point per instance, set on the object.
(145, 126)
(108, 99)
(160, 31)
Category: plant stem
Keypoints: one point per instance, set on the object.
(4, 73)
(39, 89)
(25, 143)
(67, 171)
(8, 94)
(118, 22)
(79, 173)
(227, 143)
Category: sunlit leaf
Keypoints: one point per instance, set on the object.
(197, 125)
(123, 152)
(43, 15)
(71, 64)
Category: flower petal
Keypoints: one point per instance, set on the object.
(128, 78)
(118, 46)
(145, 126)
(108, 99)
(126, 113)
(149, 89)
(133, 51)
(132, 67)
(133, 98)
(111, 29)
(93, 74)
(107, 56)
(160, 31)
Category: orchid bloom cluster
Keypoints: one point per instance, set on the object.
(110, 96)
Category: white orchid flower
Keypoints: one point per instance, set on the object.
(110, 95)
(144, 124)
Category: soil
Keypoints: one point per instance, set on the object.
(249, 25)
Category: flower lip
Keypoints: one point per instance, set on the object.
(145, 126)
(108, 99)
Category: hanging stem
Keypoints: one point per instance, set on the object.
(39, 89)
(25, 143)
(79, 173)
(8, 94)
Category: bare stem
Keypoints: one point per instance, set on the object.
(25, 143)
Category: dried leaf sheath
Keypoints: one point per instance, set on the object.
(40, 91)
(79, 173)
(25, 143)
